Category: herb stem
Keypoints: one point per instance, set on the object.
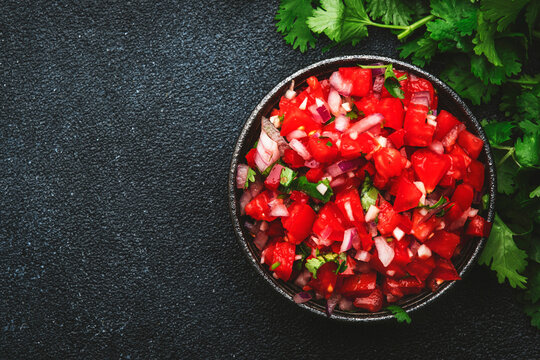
(536, 33)
(506, 156)
(524, 82)
(387, 26)
(409, 29)
(502, 147)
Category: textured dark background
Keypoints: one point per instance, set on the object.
(118, 120)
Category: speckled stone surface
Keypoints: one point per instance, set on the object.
(117, 123)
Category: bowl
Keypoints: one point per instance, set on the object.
(448, 99)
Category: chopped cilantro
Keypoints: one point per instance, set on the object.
(250, 177)
(400, 314)
(329, 144)
(369, 193)
(313, 264)
(275, 265)
(302, 184)
(287, 176)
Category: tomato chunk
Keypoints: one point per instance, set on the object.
(361, 79)
(350, 205)
(407, 196)
(429, 167)
(284, 254)
(359, 285)
(299, 222)
(443, 243)
(258, 207)
(472, 144)
(392, 110)
(362, 144)
(389, 162)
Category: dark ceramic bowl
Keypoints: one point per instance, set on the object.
(448, 100)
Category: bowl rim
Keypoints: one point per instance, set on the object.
(340, 62)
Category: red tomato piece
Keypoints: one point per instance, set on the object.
(299, 222)
(389, 162)
(284, 253)
(367, 105)
(267, 255)
(429, 167)
(314, 175)
(330, 217)
(291, 158)
(350, 205)
(258, 207)
(417, 131)
(402, 256)
(400, 287)
(477, 227)
(443, 243)
(397, 138)
(315, 87)
(363, 144)
(421, 269)
(373, 302)
(250, 158)
(325, 283)
(296, 119)
(407, 196)
(463, 196)
(445, 123)
(422, 229)
(472, 144)
(444, 271)
(361, 79)
(359, 285)
(388, 218)
(392, 110)
(475, 175)
(322, 149)
(299, 196)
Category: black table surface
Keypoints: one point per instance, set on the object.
(118, 121)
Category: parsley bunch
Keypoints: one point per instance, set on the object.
(485, 45)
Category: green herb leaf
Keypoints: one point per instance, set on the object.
(498, 132)
(302, 184)
(287, 176)
(440, 202)
(400, 314)
(291, 16)
(332, 119)
(313, 264)
(369, 193)
(392, 84)
(535, 193)
(528, 150)
(504, 256)
(485, 201)
(275, 265)
(250, 177)
(503, 12)
(396, 12)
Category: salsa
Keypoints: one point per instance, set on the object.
(360, 191)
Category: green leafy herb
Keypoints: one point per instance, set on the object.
(535, 192)
(302, 184)
(400, 314)
(287, 176)
(303, 250)
(275, 265)
(444, 211)
(369, 193)
(332, 119)
(352, 114)
(250, 177)
(313, 264)
(329, 144)
(485, 201)
(440, 202)
(291, 16)
(391, 83)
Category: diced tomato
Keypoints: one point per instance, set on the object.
(367, 105)
(444, 271)
(400, 287)
(361, 79)
(366, 241)
(299, 196)
(417, 131)
(315, 87)
(275, 229)
(350, 205)
(402, 255)
(389, 162)
(422, 229)
(397, 138)
(291, 158)
(330, 217)
(359, 285)
(430, 167)
(447, 181)
(284, 253)
(388, 218)
(417, 84)
(463, 196)
(443, 243)
(458, 165)
(445, 123)
(325, 282)
(296, 119)
(362, 144)
(407, 196)
(267, 254)
(421, 268)
(314, 175)
(250, 158)
(475, 175)
(392, 110)
(453, 212)
(258, 207)
(477, 227)
(324, 150)
(470, 143)
(299, 222)
(373, 302)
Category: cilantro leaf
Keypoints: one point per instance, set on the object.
(490, 73)
(313, 264)
(250, 177)
(485, 41)
(458, 77)
(303, 184)
(531, 14)
(287, 176)
(503, 12)
(535, 193)
(528, 150)
(327, 19)
(355, 21)
(391, 83)
(400, 314)
(506, 173)
(422, 50)
(504, 256)
(498, 132)
(291, 16)
(369, 193)
(456, 20)
(395, 12)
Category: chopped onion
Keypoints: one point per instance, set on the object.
(275, 121)
(302, 297)
(244, 200)
(420, 186)
(372, 227)
(275, 174)
(348, 210)
(296, 134)
(345, 304)
(263, 226)
(338, 181)
(472, 212)
(324, 113)
(267, 152)
(424, 252)
(390, 272)
(277, 208)
(342, 123)
(398, 233)
(346, 106)
(437, 147)
(385, 251)
(348, 236)
(331, 303)
(255, 188)
(325, 234)
(260, 240)
(366, 123)
(315, 114)
(372, 213)
(363, 255)
(343, 87)
(312, 164)
(303, 104)
(343, 166)
(378, 84)
(421, 98)
(303, 278)
(332, 135)
(273, 133)
(334, 102)
(290, 94)
(382, 141)
(241, 175)
(300, 149)
(377, 71)
(322, 188)
(450, 138)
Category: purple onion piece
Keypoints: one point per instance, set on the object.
(302, 297)
(331, 303)
(324, 113)
(378, 84)
(377, 71)
(274, 134)
(348, 165)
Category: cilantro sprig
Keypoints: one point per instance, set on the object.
(400, 314)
